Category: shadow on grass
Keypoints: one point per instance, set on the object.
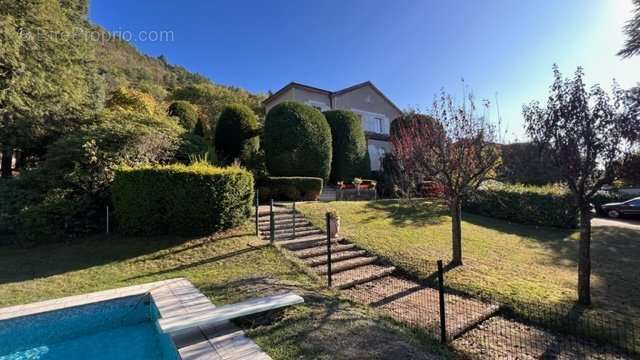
(408, 212)
(615, 257)
(202, 262)
(22, 264)
(322, 327)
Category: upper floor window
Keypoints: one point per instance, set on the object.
(374, 123)
(320, 106)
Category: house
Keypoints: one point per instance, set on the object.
(374, 109)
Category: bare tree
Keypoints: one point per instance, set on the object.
(452, 146)
(584, 133)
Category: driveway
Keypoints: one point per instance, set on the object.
(633, 224)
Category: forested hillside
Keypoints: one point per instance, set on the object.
(73, 108)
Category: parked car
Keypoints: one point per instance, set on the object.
(629, 207)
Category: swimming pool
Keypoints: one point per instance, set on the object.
(122, 328)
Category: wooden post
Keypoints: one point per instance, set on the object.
(107, 219)
(443, 323)
(328, 250)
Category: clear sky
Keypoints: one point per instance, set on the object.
(409, 49)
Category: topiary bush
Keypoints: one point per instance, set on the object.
(179, 199)
(350, 156)
(290, 188)
(524, 204)
(185, 112)
(297, 141)
(237, 134)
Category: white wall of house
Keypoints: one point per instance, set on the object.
(377, 150)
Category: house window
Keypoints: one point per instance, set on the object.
(374, 123)
(320, 106)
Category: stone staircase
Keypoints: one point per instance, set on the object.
(350, 265)
(367, 279)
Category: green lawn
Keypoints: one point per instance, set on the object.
(226, 267)
(511, 263)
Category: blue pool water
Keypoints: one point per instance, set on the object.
(116, 329)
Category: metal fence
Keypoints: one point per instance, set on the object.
(471, 325)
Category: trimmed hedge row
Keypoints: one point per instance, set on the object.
(179, 199)
(533, 205)
(290, 188)
(297, 141)
(350, 155)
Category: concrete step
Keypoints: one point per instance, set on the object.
(306, 242)
(277, 217)
(322, 250)
(289, 230)
(289, 234)
(361, 275)
(335, 257)
(285, 224)
(344, 265)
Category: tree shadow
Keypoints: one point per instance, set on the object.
(210, 260)
(615, 257)
(22, 264)
(322, 326)
(407, 212)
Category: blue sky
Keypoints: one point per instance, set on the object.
(409, 49)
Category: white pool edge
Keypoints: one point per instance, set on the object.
(173, 298)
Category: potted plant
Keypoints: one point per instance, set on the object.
(334, 223)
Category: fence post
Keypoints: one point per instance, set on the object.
(294, 219)
(107, 219)
(257, 212)
(443, 323)
(272, 224)
(328, 249)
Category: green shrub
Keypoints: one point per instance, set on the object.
(185, 112)
(290, 188)
(180, 199)
(534, 205)
(297, 141)
(350, 155)
(192, 145)
(237, 134)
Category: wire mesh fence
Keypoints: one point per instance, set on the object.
(474, 326)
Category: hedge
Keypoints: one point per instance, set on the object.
(290, 188)
(185, 112)
(350, 158)
(236, 134)
(533, 205)
(180, 199)
(297, 141)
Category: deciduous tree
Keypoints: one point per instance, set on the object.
(452, 146)
(586, 134)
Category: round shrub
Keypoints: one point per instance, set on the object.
(185, 112)
(350, 155)
(179, 199)
(297, 141)
(236, 134)
(290, 188)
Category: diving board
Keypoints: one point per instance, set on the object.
(219, 315)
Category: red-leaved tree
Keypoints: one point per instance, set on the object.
(452, 146)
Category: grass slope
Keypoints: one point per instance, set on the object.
(510, 263)
(226, 267)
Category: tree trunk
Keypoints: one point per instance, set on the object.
(456, 231)
(584, 257)
(7, 157)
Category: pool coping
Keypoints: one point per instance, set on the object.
(173, 298)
